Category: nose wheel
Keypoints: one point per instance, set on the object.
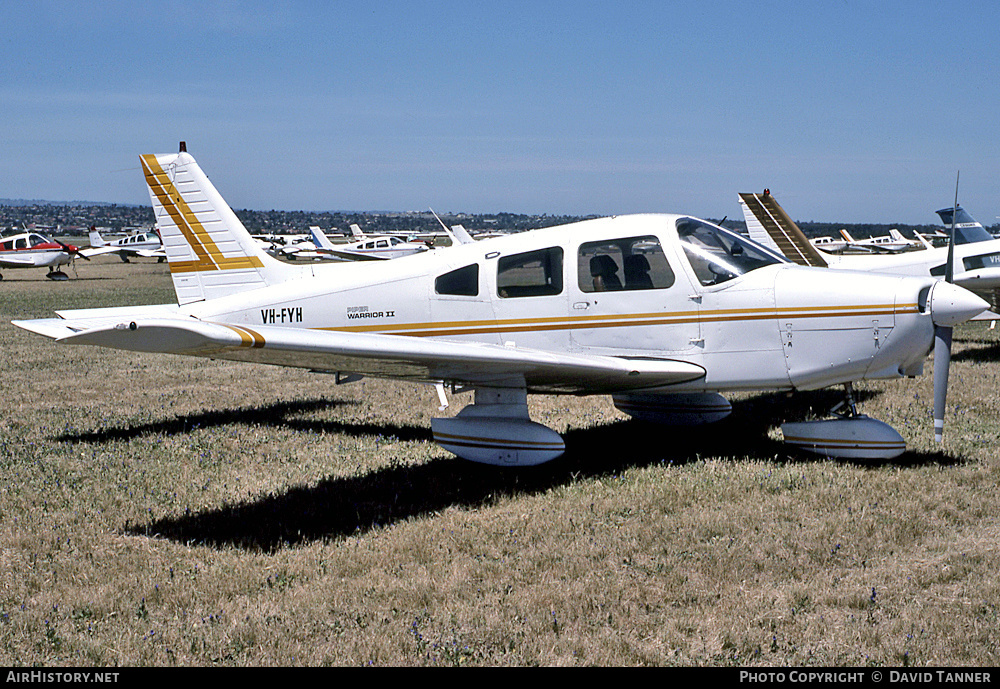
(847, 408)
(849, 435)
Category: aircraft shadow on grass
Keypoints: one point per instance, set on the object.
(977, 351)
(344, 506)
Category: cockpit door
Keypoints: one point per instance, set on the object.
(629, 296)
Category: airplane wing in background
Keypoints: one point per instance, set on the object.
(345, 255)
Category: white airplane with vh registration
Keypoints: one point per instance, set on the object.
(34, 250)
(137, 244)
(663, 312)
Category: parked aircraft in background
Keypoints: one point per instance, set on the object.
(891, 243)
(34, 250)
(663, 312)
(379, 248)
(976, 256)
(142, 244)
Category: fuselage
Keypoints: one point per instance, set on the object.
(977, 264)
(627, 286)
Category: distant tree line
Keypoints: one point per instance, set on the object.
(75, 219)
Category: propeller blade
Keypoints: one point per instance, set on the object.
(72, 250)
(942, 334)
(942, 361)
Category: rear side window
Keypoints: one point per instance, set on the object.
(531, 274)
(463, 282)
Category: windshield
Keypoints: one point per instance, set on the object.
(718, 255)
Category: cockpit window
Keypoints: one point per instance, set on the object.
(718, 255)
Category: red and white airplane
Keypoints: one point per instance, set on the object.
(34, 250)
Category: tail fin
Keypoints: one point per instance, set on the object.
(209, 251)
(770, 225)
(96, 240)
(847, 237)
(967, 229)
(462, 235)
(356, 231)
(897, 235)
(319, 238)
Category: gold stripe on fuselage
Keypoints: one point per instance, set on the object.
(443, 328)
(209, 256)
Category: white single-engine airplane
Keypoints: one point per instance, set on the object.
(663, 312)
(893, 242)
(142, 244)
(369, 249)
(33, 250)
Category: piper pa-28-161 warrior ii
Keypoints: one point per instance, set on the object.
(664, 312)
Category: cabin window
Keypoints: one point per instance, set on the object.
(982, 261)
(631, 263)
(463, 282)
(20, 243)
(531, 274)
(718, 255)
(7, 246)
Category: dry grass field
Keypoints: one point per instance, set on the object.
(157, 510)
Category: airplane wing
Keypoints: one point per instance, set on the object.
(151, 253)
(16, 261)
(768, 224)
(412, 358)
(98, 250)
(351, 255)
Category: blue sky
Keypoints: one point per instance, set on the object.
(848, 110)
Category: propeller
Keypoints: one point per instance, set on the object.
(942, 336)
(71, 250)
